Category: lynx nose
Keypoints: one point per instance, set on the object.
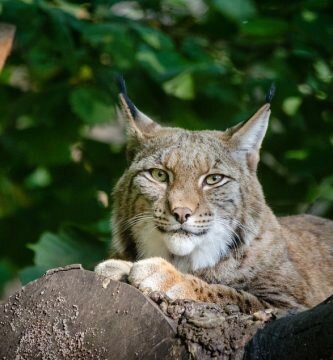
(182, 214)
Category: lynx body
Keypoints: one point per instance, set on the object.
(190, 219)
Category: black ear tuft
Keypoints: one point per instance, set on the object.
(121, 84)
(271, 92)
(123, 91)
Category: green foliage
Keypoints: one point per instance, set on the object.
(198, 64)
(72, 245)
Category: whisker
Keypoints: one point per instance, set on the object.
(238, 223)
(124, 225)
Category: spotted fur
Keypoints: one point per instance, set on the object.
(231, 248)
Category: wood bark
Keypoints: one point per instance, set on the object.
(71, 313)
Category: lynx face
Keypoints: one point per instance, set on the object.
(188, 196)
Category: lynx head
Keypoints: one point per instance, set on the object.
(188, 196)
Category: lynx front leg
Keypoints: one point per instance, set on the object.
(224, 295)
(156, 274)
(114, 269)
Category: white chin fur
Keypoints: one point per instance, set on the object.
(192, 252)
(179, 245)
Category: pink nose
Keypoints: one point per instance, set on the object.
(182, 214)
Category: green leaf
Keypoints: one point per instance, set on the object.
(12, 197)
(323, 71)
(152, 61)
(31, 273)
(180, 86)
(68, 247)
(40, 177)
(301, 154)
(101, 33)
(86, 103)
(154, 38)
(43, 66)
(238, 10)
(264, 28)
(6, 273)
(114, 42)
(161, 63)
(78, 11)
(61, 34)
(326, 188)
(45, 146)
(291, 105)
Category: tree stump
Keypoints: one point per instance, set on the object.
(71, 313)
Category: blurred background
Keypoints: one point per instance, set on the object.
(199, 64)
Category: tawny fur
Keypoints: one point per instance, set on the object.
(232, 248)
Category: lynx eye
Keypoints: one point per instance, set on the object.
(213, 179)
(159, 175)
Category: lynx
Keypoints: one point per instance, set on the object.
(190, 220)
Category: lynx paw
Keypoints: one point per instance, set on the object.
(156, 274)
(113, 269)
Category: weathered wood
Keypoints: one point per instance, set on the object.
(73, 314)
(7, 33)
(209, 331)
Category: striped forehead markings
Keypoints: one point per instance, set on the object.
(186, 150)
(189, 153)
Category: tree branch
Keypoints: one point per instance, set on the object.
(71, 313)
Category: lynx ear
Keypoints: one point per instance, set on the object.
(248, 137)
(139, 126)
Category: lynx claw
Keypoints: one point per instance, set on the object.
(113, 269)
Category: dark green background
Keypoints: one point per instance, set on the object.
(197, 64)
